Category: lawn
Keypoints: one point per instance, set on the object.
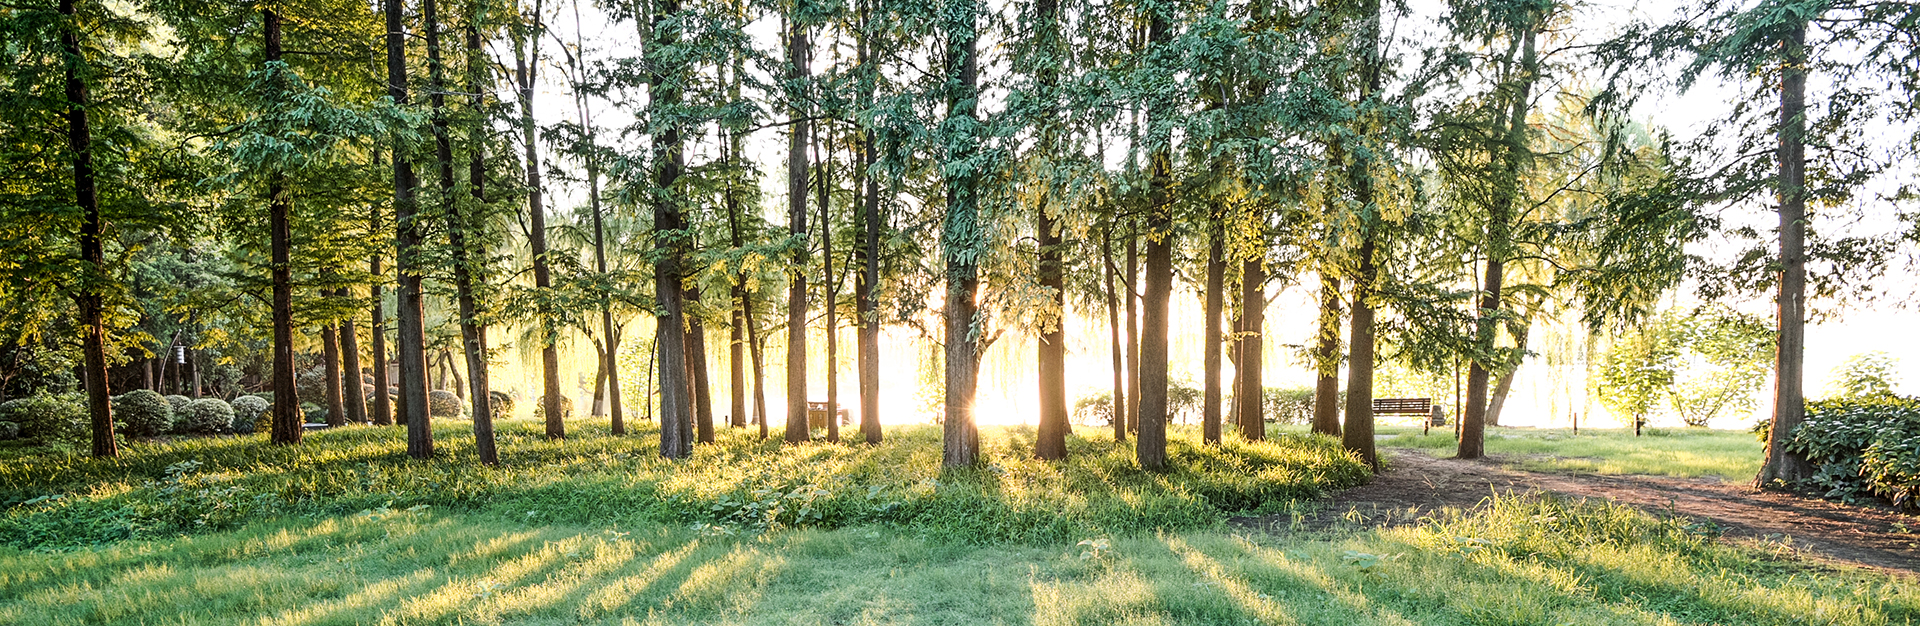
(1730, 455)
(596, 530)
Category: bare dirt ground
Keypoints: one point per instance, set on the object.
(1417, 484)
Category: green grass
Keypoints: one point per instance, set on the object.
(1685, 452)
(200, 485)
(1521, 562)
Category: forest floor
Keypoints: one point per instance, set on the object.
(1416, 484)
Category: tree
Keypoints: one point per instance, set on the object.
(962, 241)
(798, 58)
(526, 57)
(409, 242)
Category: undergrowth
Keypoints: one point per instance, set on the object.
(206, 484)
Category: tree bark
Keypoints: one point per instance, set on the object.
(287, 423)
(1250, 411)
(1326, 354)
(526, 54)
(867, 287)
(1215, 302)
(960, 236)
(89, 296)
(350, 365)
(410, 314)
(1132, 284)
(824, 186)
(1118, 416)
(1050, 440)
(463, 231)
(1157, 292)
(697, 368)
(1358, 434)
(377, 327)
(1782, 466)
(330, 366)
(669, 223)
(1504, 385)
(797, 60)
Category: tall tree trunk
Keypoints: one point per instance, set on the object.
(599, 380)
(697, 372)
(737, 363)
(377, 327)
(1118, 416)
(1050, 440)
(330, 368)
(288, 425)
(1250, 412)
(1513, 157)
(1326, 357)
(1504, 386)
(91, 303)
(797, 60)
(960, 237)
(757, 350)
(526, 56)
(610, 359)
(1358, 434)
(410, 316)
(1157, 291)
(1215, 302)
(669, 223)
(1132, 284)
(742, 308)
(1789, 405)
(868, 285)
(824, 187)
(464, 227)
(350, 364)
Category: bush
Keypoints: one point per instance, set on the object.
(1094, 409)
(178, 404)
(251, 414)
(1291, 405)
(501, 405)
(540, 408)
(313, 413)
(443, 404)
(9, 431)
(208, 416)
(51, 418)
(1863, 446)
(143, 412)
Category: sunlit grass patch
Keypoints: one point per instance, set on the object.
(1679, 452)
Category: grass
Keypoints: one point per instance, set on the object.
(1733, 456)
(1524, 561)
(199, 485)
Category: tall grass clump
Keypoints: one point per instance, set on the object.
(740, 483)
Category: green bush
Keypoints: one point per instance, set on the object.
(251, 414)
(208, 416)
(1863, 446)
(313, 413)
(1289, 405)
(9, 431)
(443, 404)
(178, 404)
(143, 413)
(51, 418)
(540, 408)
(501, 405)
(1095, 408)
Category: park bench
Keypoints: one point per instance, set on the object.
(1409, 406)
(817, 415)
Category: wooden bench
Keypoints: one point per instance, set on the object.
(1410, 406)
(817, 415)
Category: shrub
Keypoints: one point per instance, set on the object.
(1096, 408)
(251, 414)
(1290, 405)
(178, 404)
(443, 404)
(9, 431)
(143, 412)
(540, 408)
(313, 413)
(1862, 446)
(208, 416)
(48, 417)
(500, 405)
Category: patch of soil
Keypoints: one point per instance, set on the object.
(1416, 484)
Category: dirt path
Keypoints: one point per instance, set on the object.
(1418, 483)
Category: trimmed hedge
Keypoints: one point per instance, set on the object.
(48, 417)
(250, 414)
(143, 413)
(208, 416)
(442, 403)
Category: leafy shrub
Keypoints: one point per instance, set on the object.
(1094, 408)
(52, 418)
(143, 413)
(1291, 405)
(313, 413)
(500, 405)
(1861, 446)
(9, 431)
(251, 414)
(208, 416)
(1864, 375)
(540, 408)
(443, 404)
(178, 404)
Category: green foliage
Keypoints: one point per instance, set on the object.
(1288, 405)
(1735, 354)
(740, 482)
(1867, 374)
(9, 431)
(51, 418)
(500, 405)
(179, 405)
(540, 408)
(441, 403)
(143, 413)
(1639, 369)
(251, 414)
(1863, 446)
(208, 416)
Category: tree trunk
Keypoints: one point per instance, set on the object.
(1118, 416)
(410, 315)
(287, 422)
(90, 301)
(697, 367)
(1251, 412)
(867, 287)
(1326, 356)
(669, 223)
(737, 363)
(1050, 440)
(599, 380)
(1504, 385)
(1789, 405)
(1215, 302)
(350, 364)
(1157, 291)
(1132, 284)
(824, 187)
(610, 360)
(741, 309)
(960, 237)
(526, 55)
(330, 367)
(463, 229)
(797, 59)
(377, 327)
(1358, 434)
